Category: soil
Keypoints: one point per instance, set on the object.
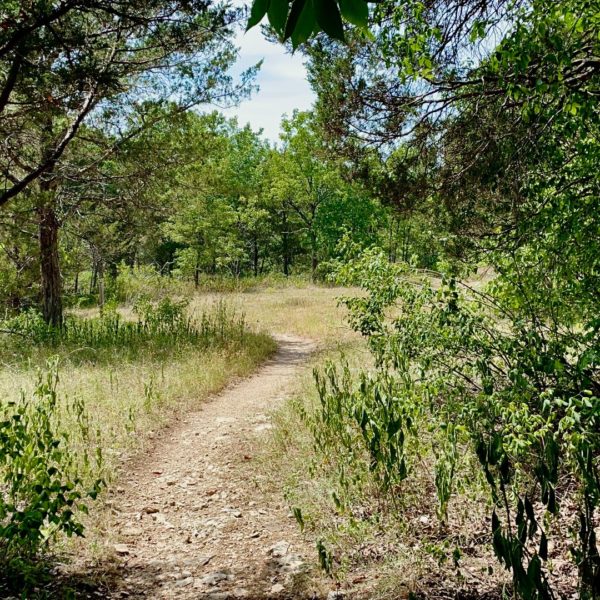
(190, 518)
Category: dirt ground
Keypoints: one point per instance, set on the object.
(186, 522)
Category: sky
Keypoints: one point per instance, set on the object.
(282, 83)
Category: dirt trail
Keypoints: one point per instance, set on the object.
(191, 521)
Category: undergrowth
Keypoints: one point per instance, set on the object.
(51, 468)
(374, 514)
(470, 435)
(159, 329)
(129, 285)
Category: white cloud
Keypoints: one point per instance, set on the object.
(282, 83)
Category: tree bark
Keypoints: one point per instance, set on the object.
(255, 256)
(101, 298)
(52, 308)
(94, 277)
(286, 247)
(314, 260)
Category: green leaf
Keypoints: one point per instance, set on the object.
(257, 12)
(278, 12)
(293, 18)
(543, 552)
(355, 12)
(301, 28)
(299, 517)
(329, 18)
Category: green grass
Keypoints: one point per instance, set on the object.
(160, 330)
(145, 282)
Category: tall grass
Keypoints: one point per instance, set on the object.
(157, 329)
(132, 284)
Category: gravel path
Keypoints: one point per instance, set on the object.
(192, 520)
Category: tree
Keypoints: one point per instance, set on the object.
(508, 92)
(305, 180)
(106, 65)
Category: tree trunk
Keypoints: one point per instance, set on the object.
(197, 274)
(286, 255)
(314, 261)
(94, 277)
(286, 247)
(48, 226)
(101, 298)
(255, 257)
(52, 308)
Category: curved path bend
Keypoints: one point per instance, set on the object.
(192, 519)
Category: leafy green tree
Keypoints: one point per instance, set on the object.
(507, 91)
(306, 182)
(100, 64)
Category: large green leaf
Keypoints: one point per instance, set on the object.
(294, 16)
(355, 12)
(329, 18)
(278, 12)
(257, 12)
(301, 22)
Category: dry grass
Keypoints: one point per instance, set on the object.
(129, 401)
(130, 398)
(310, 311)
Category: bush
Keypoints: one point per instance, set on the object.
(47, 473)
(474, 373)
(134, 284)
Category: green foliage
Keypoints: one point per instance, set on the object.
(144, 282)
(527, 408)
(298, 20)
(161, 328)
(49, 471)
(48, 49)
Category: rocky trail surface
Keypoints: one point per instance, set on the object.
(192, 521)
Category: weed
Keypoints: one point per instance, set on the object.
(45, 470)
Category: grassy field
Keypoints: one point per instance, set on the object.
(129, 393)
(393, 546)
(132, 390)
(310, 311)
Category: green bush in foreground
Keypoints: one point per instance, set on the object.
(477, 378)
(47, 474)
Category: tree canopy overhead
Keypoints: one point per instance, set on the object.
(62, 62)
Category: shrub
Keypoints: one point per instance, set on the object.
(475, 372)
(134, 284)
(47, 472)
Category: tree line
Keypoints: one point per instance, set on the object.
(102, 161)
